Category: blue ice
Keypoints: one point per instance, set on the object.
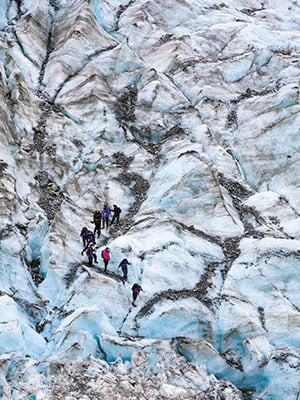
(36, 239)
(99, 13)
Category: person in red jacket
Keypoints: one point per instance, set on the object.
(105, 254)
(136, 289)
(91, 253)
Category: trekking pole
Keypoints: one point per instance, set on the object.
(142, 299)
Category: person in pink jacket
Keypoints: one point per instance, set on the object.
(105, 254)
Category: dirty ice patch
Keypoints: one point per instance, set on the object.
(175, 260)
(282, 368)
(262, 201)
(276, 208)
(160, 95)
(237, 70)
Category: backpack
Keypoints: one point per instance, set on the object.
(135, 286)
(102, 253)
(89, 251)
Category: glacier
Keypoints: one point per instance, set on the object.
(186, 115)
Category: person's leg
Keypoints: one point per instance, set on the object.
(113, 219)
(95, 258)
(105, 265)
(98, 229)
(134, 296)
(90, 260)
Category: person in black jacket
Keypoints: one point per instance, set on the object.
(116, 214)
(97, 218)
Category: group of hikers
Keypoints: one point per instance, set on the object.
(101, 219)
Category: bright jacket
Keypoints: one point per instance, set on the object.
(105, 254)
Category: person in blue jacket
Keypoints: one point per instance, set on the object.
(124, 266)
(90, 238)
(84, 235)
(105, 216)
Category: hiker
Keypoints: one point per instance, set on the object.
(90, 238)
(136, 289)
(124, 266)
(116, 214)
(91, 253)
(97, 217)
(83, 234)
(105, 254)
(105, 216)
